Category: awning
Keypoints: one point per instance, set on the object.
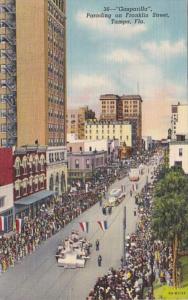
(34, 198)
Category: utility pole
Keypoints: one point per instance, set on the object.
(124, 232)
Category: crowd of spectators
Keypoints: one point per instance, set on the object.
(48, 220)
(146, 260)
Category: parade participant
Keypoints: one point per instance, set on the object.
(97, 245)
(99, 260)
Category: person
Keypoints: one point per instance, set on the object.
(99, 260)
(97, 245)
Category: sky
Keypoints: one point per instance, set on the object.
(147, 55)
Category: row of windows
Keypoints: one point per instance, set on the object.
(57, 156)
(105, 137)
(55, 114)
(33, 183)
(28, 162)
(103, 126)
(55, 100)
(55, 86)
(55, 142)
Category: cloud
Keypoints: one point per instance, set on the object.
(165, 49)
(123, 55)
(104, 26)
(85, 89)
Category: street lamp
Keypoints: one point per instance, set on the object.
(124, 232)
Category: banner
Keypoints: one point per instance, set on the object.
(84, 226)
(18, 225)
(2, 223)
(103, 225)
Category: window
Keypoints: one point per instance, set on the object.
(77, 164)
(90, 148)
(180, 152)
(2, 201)
(87, 163)
(80, 149)
(17, 166)
(70, 149)
(24, 164)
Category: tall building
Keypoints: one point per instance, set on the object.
(109, 107)
(32, 72)
(131, 111)
(124, 108)
(76, 120)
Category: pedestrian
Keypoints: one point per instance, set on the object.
(97, 245)
(99, 260)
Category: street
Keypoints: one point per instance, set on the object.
(38, 277)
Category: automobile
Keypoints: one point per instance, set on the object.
(116, 196)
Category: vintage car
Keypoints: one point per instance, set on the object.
(116, 196)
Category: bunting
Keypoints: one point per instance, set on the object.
(103, 225)
(18, 225)
(2, 223)
(84, 226)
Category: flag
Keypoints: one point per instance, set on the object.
(18, 225)
(2, 223)
(103, 225)
(84, 226)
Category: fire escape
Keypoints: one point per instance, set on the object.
(8, 38)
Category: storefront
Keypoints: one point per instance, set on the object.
(30, 205)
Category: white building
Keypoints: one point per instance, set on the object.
(109, 130)
(178, 149)
(179, 153)
(179, 118)
(56, 171)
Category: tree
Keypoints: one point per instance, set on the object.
(170, 212)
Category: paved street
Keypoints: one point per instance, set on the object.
(39, 278)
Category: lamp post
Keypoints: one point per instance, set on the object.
(124, 232)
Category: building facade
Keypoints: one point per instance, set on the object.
(174, 119)
(56, 169)
(109, 107)
(178, 151)
(109, 130)
(6, 188)
(84, 166)
(76, 120)
(124, 108)
(29, 179)
(35, 71)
